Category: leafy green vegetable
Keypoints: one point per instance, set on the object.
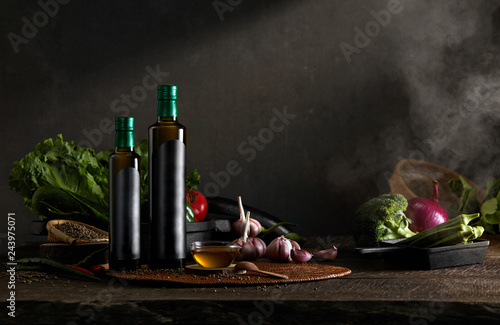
(60, 164)
(193, 180)
(490, 210)
(468, 202)
(62, 180)
(381, 218)
(492, 189)
(452, 232)
(57, 203)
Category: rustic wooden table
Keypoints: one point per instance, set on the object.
(374, 293)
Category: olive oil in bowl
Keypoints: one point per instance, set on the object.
(212, 254)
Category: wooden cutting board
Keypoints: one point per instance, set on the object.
(296, 272)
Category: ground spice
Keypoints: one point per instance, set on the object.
(33, 276)
(156, 272)
(78, 231)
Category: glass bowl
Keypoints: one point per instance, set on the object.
(214, 254)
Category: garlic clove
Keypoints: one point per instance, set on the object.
(255, 227)
(326, 254)
(300, 255)
(285, 249)
(238, 227)
(294, 244)
(259, 244)
(248, 252)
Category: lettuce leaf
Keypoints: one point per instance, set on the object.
(58, 163)
(77, 171)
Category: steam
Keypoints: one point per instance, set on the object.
(450, 66)
(445, 54)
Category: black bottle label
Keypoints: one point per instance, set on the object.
(168, 227)
(126, 215)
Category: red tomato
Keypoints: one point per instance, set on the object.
(198, 204)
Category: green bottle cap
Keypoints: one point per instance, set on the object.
(124, 123)
(167, 92)
(167, 100)
(124, 126)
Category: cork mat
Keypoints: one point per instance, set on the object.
(296, 272)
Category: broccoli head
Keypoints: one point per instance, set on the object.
(381, 218)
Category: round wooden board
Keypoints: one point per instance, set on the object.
(296, 272)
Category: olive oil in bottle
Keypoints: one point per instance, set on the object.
(124, 199)
(167, 184)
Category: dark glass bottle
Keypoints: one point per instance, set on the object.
(167, 184)
(124, 199)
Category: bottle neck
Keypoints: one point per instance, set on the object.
(167, 108)
(124, 139)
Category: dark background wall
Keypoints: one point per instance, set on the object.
(421, 82)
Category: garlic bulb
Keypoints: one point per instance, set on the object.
(238, 226)
(279, 249)
(248, 251)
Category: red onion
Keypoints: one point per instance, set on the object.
(425, 213)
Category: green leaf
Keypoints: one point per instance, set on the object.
(489, 206)
(193, 180)
(189, 212)
(468, 202)
(490, 211)
(58, 163)
(493, 219)
(493, 189)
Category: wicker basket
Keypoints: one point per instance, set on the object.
(413, 178)
(57, 236)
